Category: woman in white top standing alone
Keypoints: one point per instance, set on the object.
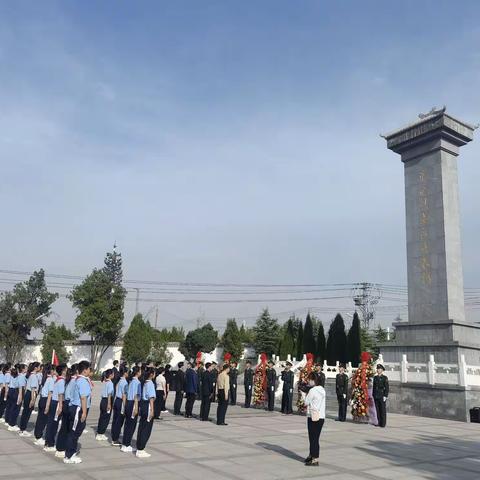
(315, 402)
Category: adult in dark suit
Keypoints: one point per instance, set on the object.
(206, 392)
(179, 382)
(248, 383)
(380, 395)
(271, 385)
(191, 388)
(287, 389)
(233, 382)
(341, 389)
(214, 374)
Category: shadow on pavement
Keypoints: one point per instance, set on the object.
(281, 451)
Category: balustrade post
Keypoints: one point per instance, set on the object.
(462, 372)
(431, 370)
(404, 369)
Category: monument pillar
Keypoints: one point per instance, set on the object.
(436, 323)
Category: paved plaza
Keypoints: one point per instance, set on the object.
(258, 445)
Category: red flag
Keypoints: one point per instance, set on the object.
(55, 359)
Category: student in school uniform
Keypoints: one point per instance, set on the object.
(61, 442)
(56, 409)
(105, 405)
(119, 406)
(12, 394)
(161, 392)
(44, 404)
(146, 413)
(78, 411)
(21, 383)
(2, 389)
(4, 394)
(40, 385)
(31, 391)
(131, 409)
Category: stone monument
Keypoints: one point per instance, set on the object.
(436, 313)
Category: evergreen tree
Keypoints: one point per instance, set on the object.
(337, 341)
(159, 352)
(231, 339)
(321, 350)
(379, 335)
(354, 346)
(266, 333)
(247, 335)
(137, 341)
(203, 339)
(299, 342)
(287, 346)
(308, 336)
(53, 339)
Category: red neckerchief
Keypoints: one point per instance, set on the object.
(59, 378)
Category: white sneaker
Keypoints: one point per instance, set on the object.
(142, 454)
(59, 454)
(40, 442)
(86, 430)
(164, 411)
(14, 429)
(49, 449)
(25, 434)
(72, 459)
(101, 438)
(125, 449)
(34, 412)
(116, 444)
(2, 420)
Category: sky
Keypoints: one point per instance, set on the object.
(226, 142)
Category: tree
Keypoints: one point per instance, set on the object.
(203, 339)
(299, 342)
(99, 301)
(321, 349)
(308, 336)
(337, 341)
(231, 339)
(54, 337)
(266, 333)
(354, 346)
(247, 335)
(380, 335)
(21, 311)
(159, 352)
(287, 346)
(137, 341)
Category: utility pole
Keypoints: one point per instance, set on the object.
(156, 316)
(365, 297)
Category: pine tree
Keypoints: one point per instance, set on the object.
(203, 339)
(137, 341)
(287, 346)
(337, 341)
(308, 336)
(321, 343)
(354, 347)
(53, 339)
(266, 333)
(231, 339)
(299, 342)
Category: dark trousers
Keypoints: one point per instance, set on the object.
(52, 424)
(205, 407)
(104, 418)
(342, 408)
(233, 394)
(75, 431)
(222, 407)
(3, 402)
(287, 398)
(118, 419)
(27, 410)
(381, 408)
(14, 409)
(189, 404)
(159, 403)
(61, 442)
(42, 418)
(314, 430)
(130, 424)
(271, 398)
(144, 426)
(177, 405)
(248, 396)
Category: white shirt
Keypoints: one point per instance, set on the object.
(161, 383)
(316, 401)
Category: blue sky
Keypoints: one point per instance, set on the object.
(225, 141)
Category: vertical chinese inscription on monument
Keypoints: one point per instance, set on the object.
(425, 266)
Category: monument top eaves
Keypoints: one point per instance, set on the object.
(431, 124)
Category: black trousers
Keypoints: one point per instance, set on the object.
(159, 403)
(61, 442)
(177, 405)
(205, 407)
(287, 398)
(222, 407)
(314, 430)
(144, 426)
(27, 411)
(233, 394)
(104, 418)
(271, 398)
(14, 407)
(3, 402)
(130, 424)
(52, 424)
(342, 408)
(189, 404)
(75, 431)
(42, 418)
(381, 408)
(248, 396)
(118, 419)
